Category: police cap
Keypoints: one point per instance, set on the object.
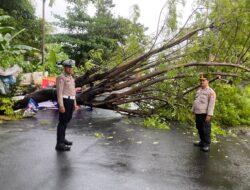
(204, 77)
(67, 63)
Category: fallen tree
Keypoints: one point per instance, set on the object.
(168, 70)
(135, 79)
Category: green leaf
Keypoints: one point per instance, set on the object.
(5, 29)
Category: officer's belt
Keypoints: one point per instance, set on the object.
(69, 97)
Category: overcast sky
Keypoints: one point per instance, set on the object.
(150, 10)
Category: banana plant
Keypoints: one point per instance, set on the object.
(6, 45)
(5, 29)
(9, 52)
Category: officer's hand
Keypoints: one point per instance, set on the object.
(208, 118)
(76, 107)
(61, 109)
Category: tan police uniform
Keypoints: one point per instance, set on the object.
(65, 86)
(203, 106)
(204, 101)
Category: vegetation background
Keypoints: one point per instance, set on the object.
(104, 41)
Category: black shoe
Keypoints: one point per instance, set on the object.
(205, 148)
(66, 142)
(198, 144)
(62, 147)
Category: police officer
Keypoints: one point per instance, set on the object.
(65, 87)
(203, 108)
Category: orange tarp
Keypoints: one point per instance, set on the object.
(48, 82)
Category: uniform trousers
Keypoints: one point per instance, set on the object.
(204, 129)
(64, 119)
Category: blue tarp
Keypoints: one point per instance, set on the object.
(6, 82)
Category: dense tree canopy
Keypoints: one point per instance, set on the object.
(22, 14)
(101, 32)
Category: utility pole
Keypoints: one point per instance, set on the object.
(43, 34)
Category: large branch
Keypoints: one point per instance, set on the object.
(196, 87)
(109, 103)
(163, 71)
(123, 67)
(104, 78)
(136, 99)
(131, 112)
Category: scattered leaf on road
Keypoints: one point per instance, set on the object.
(129, 130)
(120, 141)
(99, 135)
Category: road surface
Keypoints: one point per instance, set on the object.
(110, 154)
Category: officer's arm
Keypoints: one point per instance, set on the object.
(59, 90)
(194, 102)
(211, 104)
(75, 102)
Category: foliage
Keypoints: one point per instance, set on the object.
(216, 131)
(103, 41)
(88, 33)
(229, 39)
(55, 54)
(6, 106)
(156, 122)
(10, 53)
(228, 42)
(22, 14)
(233, 105)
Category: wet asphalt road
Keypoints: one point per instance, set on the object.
(110, 154)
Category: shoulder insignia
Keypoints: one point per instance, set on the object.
(61, 78)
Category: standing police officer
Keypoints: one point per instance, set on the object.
(203, 108)
(65, 87)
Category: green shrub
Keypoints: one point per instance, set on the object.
(232, 105)
(6, 106)
(155, 122)
(216, 131)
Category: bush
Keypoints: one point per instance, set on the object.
(6, 106)
(232, 105)
(155, 122)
